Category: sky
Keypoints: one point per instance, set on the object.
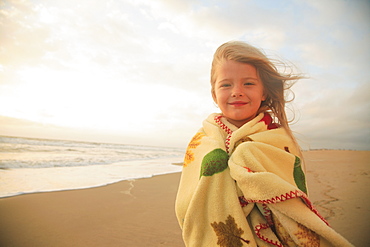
(137, 71)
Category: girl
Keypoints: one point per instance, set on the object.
(242, 182)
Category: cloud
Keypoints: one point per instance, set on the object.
(336, 117)
(145, 65)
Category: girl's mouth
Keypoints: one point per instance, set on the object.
(238, 103)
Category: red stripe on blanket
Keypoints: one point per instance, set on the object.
(287, 196)
(242, 201)
(260, 227)
(267, 214)
(248, 169)
(226, 129)
(268, 121)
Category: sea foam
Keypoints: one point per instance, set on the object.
(29, 165)
(30, 180)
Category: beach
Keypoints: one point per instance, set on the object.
(141, 212)
(127, 213)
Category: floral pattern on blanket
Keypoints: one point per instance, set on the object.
(214, 162)
(195, 142)
(304, 236)
(299, 176)
(307, 237)
(228, 233)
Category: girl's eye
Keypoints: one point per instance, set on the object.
(226, 85)
(248, 83)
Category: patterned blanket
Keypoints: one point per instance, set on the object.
(246, 187)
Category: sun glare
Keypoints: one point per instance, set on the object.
(85, 100)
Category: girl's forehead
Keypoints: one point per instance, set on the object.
(233, 68)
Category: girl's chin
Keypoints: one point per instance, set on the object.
(238, 122)
(241, 118)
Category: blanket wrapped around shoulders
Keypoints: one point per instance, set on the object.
(246, 187)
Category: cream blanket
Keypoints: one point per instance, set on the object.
(246, 187)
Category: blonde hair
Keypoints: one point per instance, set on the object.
(274, 83)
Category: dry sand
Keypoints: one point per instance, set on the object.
(338, 183)
(141, 213)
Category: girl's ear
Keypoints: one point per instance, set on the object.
(264, 96)
(214, 96)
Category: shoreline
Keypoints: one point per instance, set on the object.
(20, 181)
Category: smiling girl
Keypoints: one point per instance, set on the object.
(242, 182)
(238, 91)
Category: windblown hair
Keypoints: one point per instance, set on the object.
(274, 83)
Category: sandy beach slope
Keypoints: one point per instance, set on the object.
(127, 213)
(141, 212)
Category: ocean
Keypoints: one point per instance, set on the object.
(29, 165)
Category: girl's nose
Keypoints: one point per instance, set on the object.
(237, 92)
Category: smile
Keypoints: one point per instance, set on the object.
(238, 103)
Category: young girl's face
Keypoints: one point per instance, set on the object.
(238, 91)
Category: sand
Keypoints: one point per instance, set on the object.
(141, 212)
(338, 183)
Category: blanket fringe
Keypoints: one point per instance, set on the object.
(282, 198)
(260, 227)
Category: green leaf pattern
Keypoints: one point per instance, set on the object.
(299, 176)
(214, 162)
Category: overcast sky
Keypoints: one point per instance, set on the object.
(137, 71)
